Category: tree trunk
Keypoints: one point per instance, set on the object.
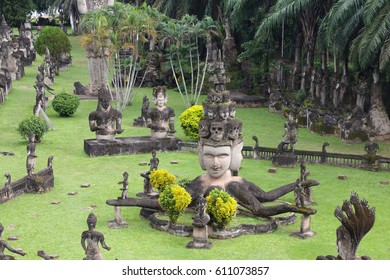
(297, 63)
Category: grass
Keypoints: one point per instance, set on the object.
(57, 229)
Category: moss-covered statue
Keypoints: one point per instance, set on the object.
(106, 121)
(161, 119)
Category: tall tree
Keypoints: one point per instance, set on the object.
(15, 11)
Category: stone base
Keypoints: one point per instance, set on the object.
(285, 159)
(130, 145)
(199, 245)
(303, 235)
(114, 225)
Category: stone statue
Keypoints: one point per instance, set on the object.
(125, 184)
(220, 155)
(141, 121)
(91, 238)
(154, 161)
(4, 245)
(49, 71)
(161, 120)
(290, 134)
(106, 121)
(201, 218)
(357, 219)
(371, 149)
(31, 156)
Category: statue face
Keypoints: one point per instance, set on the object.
(234, 131)
(160, 100)
(203, 129)
(236, 157)
(232, 112)
(217, 130)
(216, 160)
(105, 104)
(224, 113)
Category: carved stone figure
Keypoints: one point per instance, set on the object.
(141, 121)
(161, 119)
(371, 149)
(154, 161)
(4, 245)
(357, 219)
(31, 156)
(91, 238)
(201, 218)
(106, 121)
(290, 132)
(125, 183)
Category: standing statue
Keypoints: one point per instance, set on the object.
(106, 121)
(125, 183)
(371, 149)
(290, 134)
(4, 245)
(91, 238)
(161, 120)
(154, 161)
(31, 156)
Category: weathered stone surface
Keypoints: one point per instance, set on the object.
(342, 177)
(130, 145)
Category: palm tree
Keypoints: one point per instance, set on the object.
(365, 36)
(307, 15)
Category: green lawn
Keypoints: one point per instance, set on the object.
(57, 229)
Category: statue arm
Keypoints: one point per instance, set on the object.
(9, 248)
(104, 245)
(83, 238)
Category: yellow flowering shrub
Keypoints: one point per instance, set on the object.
(174, 199)
(189, 121)
(161, 179)
(221, 207)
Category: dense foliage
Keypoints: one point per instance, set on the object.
(174, 199)
(221, 207)
(189, 121)
(55, 39)
(160, 179)
(65, 104)
(34, 124)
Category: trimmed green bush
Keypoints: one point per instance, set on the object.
(221, 207)
(65, 104)
(189, 121)
(55, 39)
(34, 124)
(174, 199)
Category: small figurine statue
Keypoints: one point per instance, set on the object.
(4, 245)
(290, 135)
(141, 121)
(161, 120)
(125, 187)
(105, 121)
(154, 161)
(371, 148)
(91, 238)
(31, 156)
(201, 218)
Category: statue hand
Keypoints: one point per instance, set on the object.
(119, 131)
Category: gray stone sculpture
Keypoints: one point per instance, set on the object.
(200, 231)
(91, 238)
(148, 188)
(357, 219)
(106, 121)
(31, 156)
(161, 119)
(4, 245)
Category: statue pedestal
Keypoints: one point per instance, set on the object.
(117, 222)
(306, 231)
(285, 159)
(130, 145)
(200, 235)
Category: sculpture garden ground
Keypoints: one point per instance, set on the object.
(57, 228)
